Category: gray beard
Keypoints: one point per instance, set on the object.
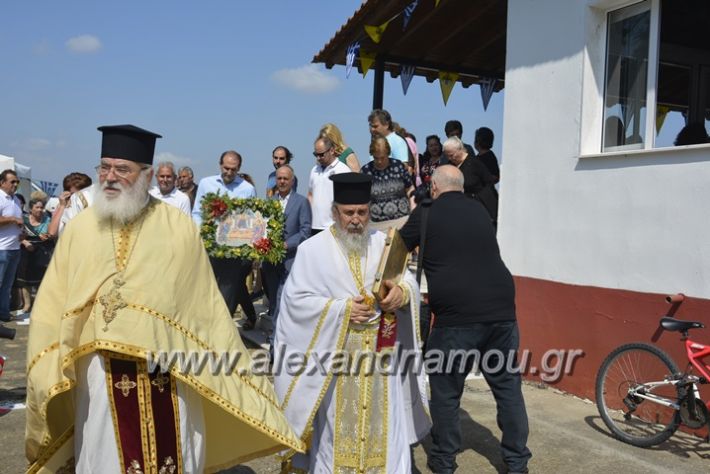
(127, 205)
(353, 242)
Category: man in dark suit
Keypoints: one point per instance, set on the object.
(472, 296)
(297, 228)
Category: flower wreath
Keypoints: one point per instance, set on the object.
(214, 207)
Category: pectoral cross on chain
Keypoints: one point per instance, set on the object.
(112, 302)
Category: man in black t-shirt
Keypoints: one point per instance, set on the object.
(472, 295)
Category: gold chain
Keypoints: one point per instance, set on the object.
(123, 253)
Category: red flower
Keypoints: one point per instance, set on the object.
(263, 245)
(217, 208)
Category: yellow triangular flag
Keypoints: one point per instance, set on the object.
(661, 112)
(447, 80)
(366, 61)
(436, 3)
(376, 32)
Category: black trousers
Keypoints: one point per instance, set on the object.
(231, 275)
(493, 341)
(273, 278)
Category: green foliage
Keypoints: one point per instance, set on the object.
(215, 207)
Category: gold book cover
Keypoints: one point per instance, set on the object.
(392, 263)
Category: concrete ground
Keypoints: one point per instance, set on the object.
(566, 433)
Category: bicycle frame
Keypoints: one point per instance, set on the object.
(650, 386)
(696, 352)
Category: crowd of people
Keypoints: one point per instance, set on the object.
(118, 288)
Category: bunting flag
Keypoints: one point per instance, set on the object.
(447, 80)
(367, 59)
(406, 73)
(661, 112)
(408, 10)
(487, 84)
(436, 3)
(376, 32)
(350, 57)
(48, 187)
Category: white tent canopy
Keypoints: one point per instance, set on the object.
(23, 172)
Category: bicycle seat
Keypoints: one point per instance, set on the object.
(672, 324)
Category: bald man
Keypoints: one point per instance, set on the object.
(297, 228)
(472, 294)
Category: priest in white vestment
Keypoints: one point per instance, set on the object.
(354, 420)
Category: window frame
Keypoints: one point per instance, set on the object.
(649, 129)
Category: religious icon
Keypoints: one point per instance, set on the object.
(241, 228)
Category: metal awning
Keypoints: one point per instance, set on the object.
(466, 37)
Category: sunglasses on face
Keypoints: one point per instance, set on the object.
(320, 155)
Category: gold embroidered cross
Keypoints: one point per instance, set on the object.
(125, 385)
(112, 302)
(168, 466)
(160, 381)
(388, 327)
(135, 468)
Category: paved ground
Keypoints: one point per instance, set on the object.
(566, 433)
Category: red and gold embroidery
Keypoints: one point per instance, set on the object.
(144, 408)
(125, 385)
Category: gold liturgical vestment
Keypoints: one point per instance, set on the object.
(131, 290)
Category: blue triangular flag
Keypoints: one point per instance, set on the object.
(408, 10)
(406, 73)
(487, 85)
(350, 57)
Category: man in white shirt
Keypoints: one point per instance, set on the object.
(166, 191)
(10, 229)
(320, 187)
(381, 123)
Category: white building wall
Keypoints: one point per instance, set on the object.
(636, 221)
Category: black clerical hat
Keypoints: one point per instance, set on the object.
(351, 188)
(128, 142)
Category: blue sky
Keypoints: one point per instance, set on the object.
(208, 76)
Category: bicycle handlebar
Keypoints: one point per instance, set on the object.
(675, 299)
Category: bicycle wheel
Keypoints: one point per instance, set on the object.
(632, 419)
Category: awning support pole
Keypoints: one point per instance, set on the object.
(378, 93)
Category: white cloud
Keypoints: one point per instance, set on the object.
(309, 78)
(42, 48)
(32, 144)
(83, 44)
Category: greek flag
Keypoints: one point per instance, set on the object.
(48, 187)
(350, 57)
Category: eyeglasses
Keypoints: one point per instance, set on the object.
(120, 171)
(320, 155)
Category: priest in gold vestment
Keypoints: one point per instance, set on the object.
(354, 419)
(130, 277)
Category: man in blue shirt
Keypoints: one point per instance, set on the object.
(380, 122)
(231, 273)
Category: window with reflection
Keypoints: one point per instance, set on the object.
(681, 99)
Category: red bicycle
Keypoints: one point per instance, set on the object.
(643, 397)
